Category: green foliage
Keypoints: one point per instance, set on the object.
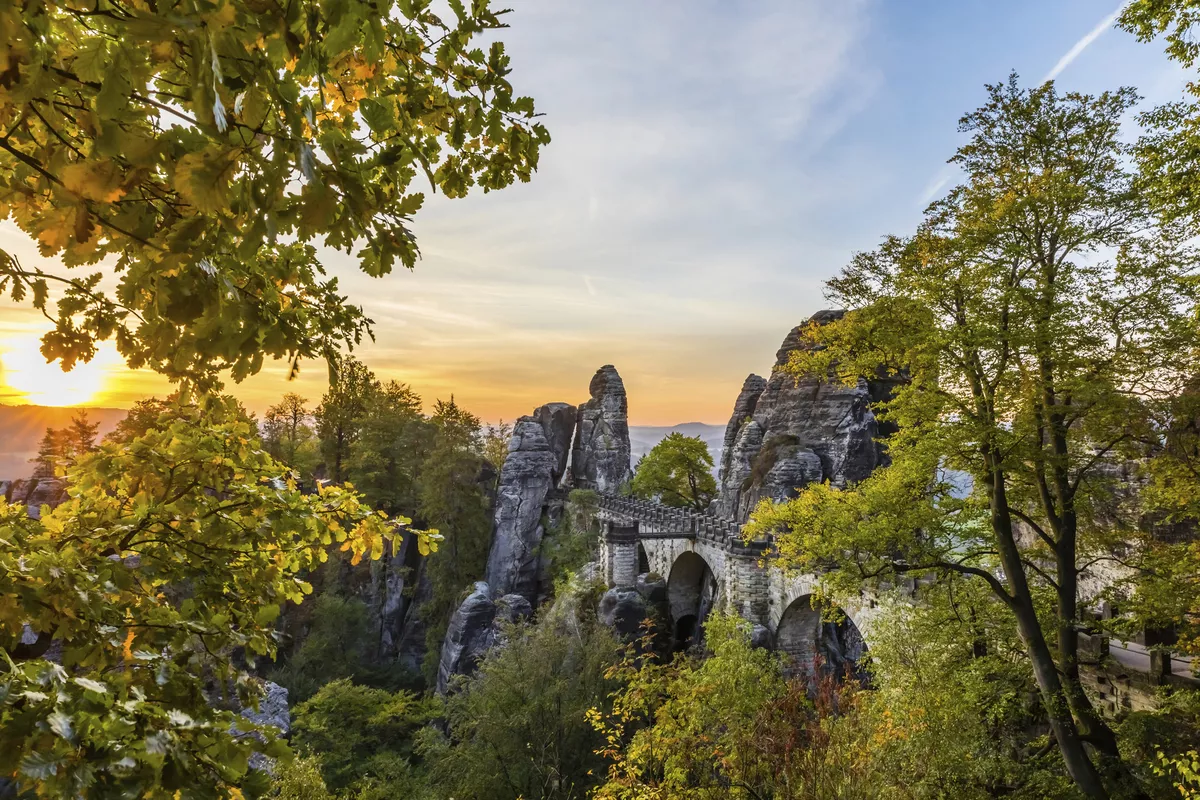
(730, 726)
(572, 543)
(1183, 772)
(454, 501)
(518, 728)
(954, 662)
(211, 147)
(1023, 357)
(174, 549)
(495, 444)
(677, 472)
(352, 386)
(1167, 150)
(288, 434)
(387, 440)
(334, 647)
(301, 780)
(142, 417)
(362, 738)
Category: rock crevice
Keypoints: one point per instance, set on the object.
(786, 433)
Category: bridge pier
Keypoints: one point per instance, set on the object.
(749, 591)
(619, 556)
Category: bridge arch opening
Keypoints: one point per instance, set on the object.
(815, 646)
(691, 594)
(643, 560)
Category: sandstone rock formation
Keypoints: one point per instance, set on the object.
(554, 448)
(624, 608)
(600, 457)
(743, 411)
(33, 493)
(272, 708)
(475, 628)
(786, 433)
(537, 457)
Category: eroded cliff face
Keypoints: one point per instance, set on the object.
(600, 456)
(786, 433)
(34, 492)
(536, 462)
(555, 448)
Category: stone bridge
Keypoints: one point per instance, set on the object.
(708, 566)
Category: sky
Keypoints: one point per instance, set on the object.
(712, 164)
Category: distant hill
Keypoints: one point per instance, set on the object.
(643, 437)
(22, 428)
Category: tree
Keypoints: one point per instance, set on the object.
(518, 727)
(173, 550)
(209, 147)
(456, 503)
(1167, 150)
(389, 444)
(82, 433)
(204, 151)
(53, 453)
(730, 726)
(60, 448)
(495, 444)
(1022, 357)
(286, 429)
(677, 472)
(142, 417)
(363, 738)
(334, 647)
(351, 388)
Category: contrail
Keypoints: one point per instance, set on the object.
(939, 181)
(1083, 43)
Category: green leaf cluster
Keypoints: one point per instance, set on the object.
(677, 472)
(204, 150)
(1032, 330)
(175, 550)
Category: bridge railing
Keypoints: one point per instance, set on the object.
(659, 519)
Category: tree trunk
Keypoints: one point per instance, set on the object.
(1045, 671)
(1093, 727)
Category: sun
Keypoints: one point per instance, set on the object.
(27, 373)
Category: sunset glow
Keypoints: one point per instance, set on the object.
(28, 378)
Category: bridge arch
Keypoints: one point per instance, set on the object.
(692, 592)
(808, 637)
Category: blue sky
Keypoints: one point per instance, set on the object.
(712, 164)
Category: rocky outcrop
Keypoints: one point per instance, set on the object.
(273, 711)
(537, 457)
(272, 708)
(475, 628)
(793, 432)
(625, 608)
(558, 424)
(33, 493)
(600, 456)
(554, 448)
(743, 413)
(622, 608)
(411, 646)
